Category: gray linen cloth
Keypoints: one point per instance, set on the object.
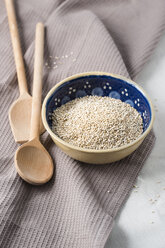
(78, 206)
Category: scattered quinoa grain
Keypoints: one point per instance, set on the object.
(95, 122)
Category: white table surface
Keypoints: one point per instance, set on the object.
(141, 222)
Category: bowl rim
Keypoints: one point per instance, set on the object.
(129, 81)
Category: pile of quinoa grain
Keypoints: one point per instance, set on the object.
(96, 122)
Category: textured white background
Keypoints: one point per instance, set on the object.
(133, 227)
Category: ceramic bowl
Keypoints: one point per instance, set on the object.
(100, 84)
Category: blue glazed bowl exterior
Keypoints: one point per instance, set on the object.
(100, 84)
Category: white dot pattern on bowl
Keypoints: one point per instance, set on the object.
(101, 91)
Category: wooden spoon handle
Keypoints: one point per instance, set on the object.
(16, 47)
(37, 81)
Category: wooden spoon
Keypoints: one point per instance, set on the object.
(32, 161)
(20, 110)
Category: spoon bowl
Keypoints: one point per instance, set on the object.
(20, 118)
(33, 163)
